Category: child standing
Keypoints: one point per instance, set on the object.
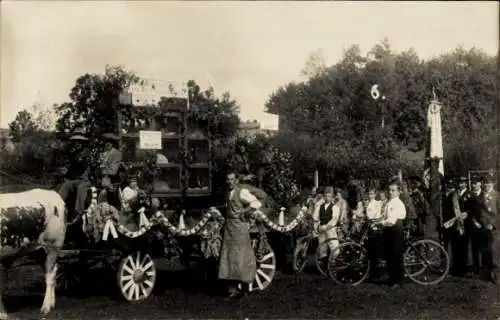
(393, 216)
(373, 209)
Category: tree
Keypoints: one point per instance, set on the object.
(94, 101)
(336, 125)
(23, 125)
(315, 64)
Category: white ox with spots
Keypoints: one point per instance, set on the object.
(29, 221)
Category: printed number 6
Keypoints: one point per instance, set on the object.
(374, 92)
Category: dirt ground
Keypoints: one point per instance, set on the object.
(306, 296)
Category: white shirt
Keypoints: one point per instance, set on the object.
(248, 198)
(373, 209)
(462, 192)
(359, 212)
(394, 210)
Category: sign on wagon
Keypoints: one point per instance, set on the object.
(150, 140)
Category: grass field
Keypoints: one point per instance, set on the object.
(307, 296)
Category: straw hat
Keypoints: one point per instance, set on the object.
(78, 134)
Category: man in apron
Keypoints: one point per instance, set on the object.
(237, 258)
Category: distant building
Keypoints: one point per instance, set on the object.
(250, 129)
(283, 123)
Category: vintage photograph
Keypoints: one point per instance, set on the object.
(249, 160)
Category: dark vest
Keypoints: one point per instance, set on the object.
(448, 210)
(463, 201)
(418, 201)
(325, 215)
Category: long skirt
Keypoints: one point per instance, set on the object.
(237, 258)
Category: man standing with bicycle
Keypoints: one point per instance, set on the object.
(326, 217)
(393, 216)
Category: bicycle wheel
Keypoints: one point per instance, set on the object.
(350, 266)
(322, 262)
(426, 262)
(300, 254)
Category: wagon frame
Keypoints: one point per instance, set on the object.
(188, 172)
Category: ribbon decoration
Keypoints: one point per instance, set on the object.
(109, 227)
(143, 220)
(448, 224)
(182, 224)
(281, 218)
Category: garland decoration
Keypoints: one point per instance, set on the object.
(103, 219)
(182, 230)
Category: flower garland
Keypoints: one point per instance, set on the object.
(103, 218)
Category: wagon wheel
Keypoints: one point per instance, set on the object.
(426, 262)
(265, 265)
(350, 265)
(136, 276)
(70, 277)
(300, 254)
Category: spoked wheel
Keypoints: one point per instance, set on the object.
(70, 278)
(266, 265)
(300, 254)
(136, 276)
(426, 262)
(322, 262)
(350, 266)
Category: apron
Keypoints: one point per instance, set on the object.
(237, 258)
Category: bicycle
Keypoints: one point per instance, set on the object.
(351, 265)
(300, 254)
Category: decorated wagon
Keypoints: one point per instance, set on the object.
(174, 215)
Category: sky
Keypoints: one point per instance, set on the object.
(247, 48)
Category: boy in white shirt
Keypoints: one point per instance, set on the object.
(393, 216)
(374, 206)
(373, 209)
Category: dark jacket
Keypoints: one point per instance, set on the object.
(474, 206)
(489, 210)
(78, 164)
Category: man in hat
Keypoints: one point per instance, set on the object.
(109, 162)
(472, 225)
(240, 161)
(77, 173)
(490, 227)
(462, 245)
(454, 229)
(420, 205)
(326, 218)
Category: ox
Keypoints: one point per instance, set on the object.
(29, 221)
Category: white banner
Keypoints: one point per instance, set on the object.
(150, 92)
(150, 140)
(434, 124)
(270, 122)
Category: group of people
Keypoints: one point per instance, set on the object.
(467, 219)
(333, 218)
(80, 174)
(475, 224)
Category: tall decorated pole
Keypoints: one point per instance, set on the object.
(434, 162)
